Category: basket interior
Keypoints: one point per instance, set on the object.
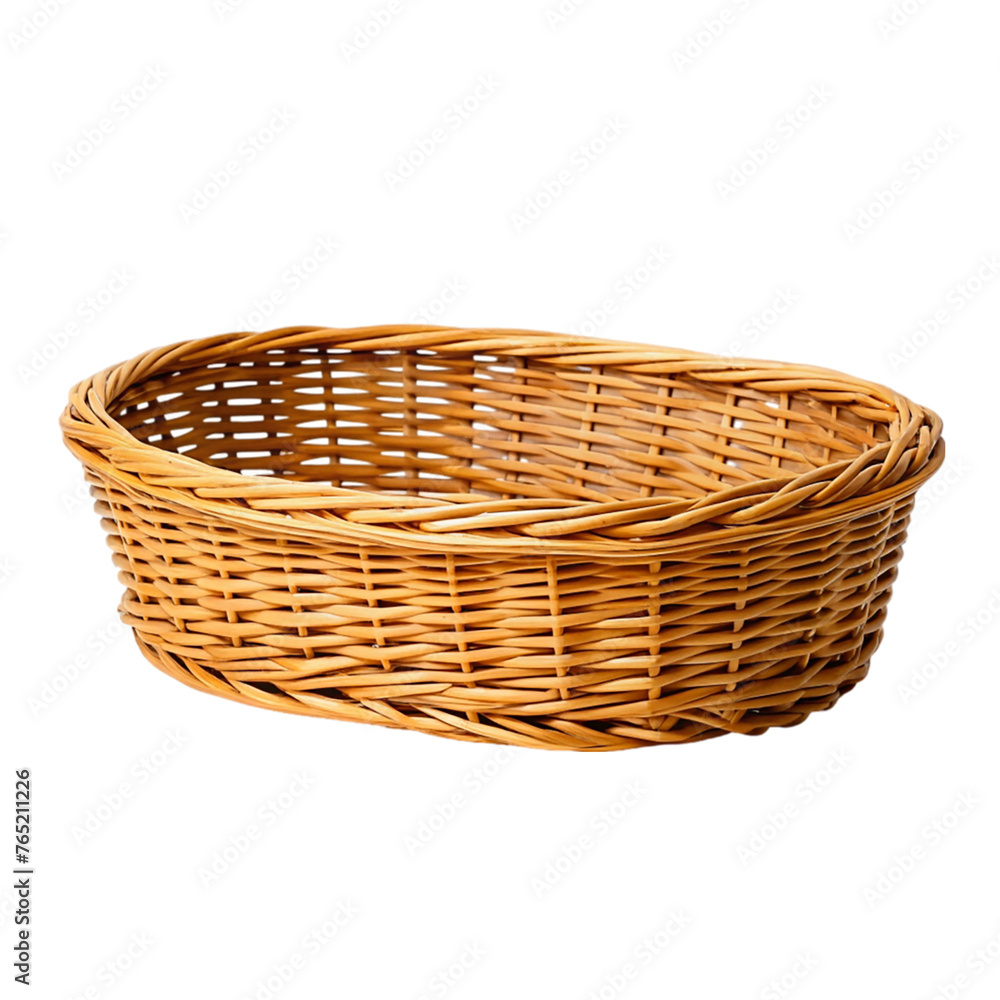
(438, 424)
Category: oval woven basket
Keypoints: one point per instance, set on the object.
(502, 535)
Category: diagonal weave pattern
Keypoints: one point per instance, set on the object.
(503, 535)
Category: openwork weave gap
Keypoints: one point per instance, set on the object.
(503, 535)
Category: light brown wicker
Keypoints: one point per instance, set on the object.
(502, 535)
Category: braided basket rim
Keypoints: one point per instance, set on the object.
(880, 475)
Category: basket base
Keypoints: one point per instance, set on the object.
(687, 728)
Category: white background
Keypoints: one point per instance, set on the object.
(685, 842)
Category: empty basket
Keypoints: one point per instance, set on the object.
(502, 535)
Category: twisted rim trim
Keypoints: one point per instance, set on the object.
(882, 474)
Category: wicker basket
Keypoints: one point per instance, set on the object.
(502, 535)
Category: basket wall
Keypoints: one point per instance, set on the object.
(563, 653)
